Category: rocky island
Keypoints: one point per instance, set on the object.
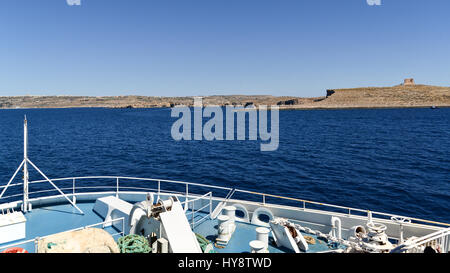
(407, 94)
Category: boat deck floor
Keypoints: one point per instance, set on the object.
(244, 234)
(53, 219)
(49, 220)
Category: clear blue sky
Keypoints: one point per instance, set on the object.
(205, 47)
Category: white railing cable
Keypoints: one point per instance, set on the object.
(134, 178)
(197, 198)
(12, 178)
(51, 182)
(222, 204)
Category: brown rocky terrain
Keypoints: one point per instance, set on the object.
(384, 97)
(410, 95)
(136, 101)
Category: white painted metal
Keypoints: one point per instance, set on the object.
(12, 227)
(139, 219)
(262, 234)
(222, 204)
(245, 218)
(193, 203)
(223, 229)
(160, 246)
(12, 178)
(400, 221)
(111, 207)
(25, 166)
(230, 212)
(56, 187)
(26, 206)
(410, 244)
(284, 237)
(336, 227)
(324, 205)
(262, 211)
(257, 246)
(176, 229)
(313, 218)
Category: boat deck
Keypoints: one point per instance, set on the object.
(244, 234)
(53, 219)
(49, 220)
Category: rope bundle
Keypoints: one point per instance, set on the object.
(133, 244)
(203, 242)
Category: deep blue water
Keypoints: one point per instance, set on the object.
(389, 160)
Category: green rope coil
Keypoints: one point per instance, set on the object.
(133, 244)
(203, 242)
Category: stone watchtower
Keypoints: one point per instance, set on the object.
(409, 82)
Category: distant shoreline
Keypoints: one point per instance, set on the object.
(362, 107)
(400, 96)
(250, 109)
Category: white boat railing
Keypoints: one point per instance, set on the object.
(37, 239)
(184, 189)
(221, 205)
(191, 202)
(348, 210)
(440, 237)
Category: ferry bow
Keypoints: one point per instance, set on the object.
(129, 214)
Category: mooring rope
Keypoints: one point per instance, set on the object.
(133, 244)
(203, 242)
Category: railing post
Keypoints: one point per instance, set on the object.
(159, 188)
(117, 187)
(447, 248)
(304, 205)
(264, 199)
(210, 203)
(186, 198)
(74, 199)
(448, 244)
(123, 226)
(445, 244)
(193, 214)
(36, 241)
(349, 212)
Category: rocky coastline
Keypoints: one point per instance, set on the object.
(400, 96)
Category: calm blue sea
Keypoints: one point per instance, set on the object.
(390, 160)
